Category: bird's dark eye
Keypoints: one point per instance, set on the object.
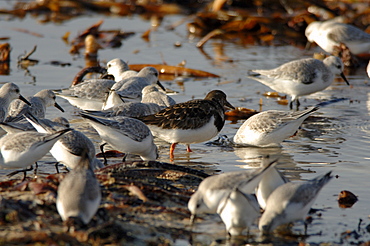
(17, 90)
(109, 65)
(339, 66)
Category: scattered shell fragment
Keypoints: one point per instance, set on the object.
(346, 199)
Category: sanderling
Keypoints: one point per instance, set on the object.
(125, 134)
(112, 100)
(8, 93)
(39, 102)
(301, 77)
(131, 88)
(213, 191)
(269, 128)
(239, 212)
(79, 194)
(189, 122)
(23, 149)
(129, 109)
(119, 69)
(69, 149)
(269, 182)
(154, 94)
(88, 95)
(328, 34)
(291, 202)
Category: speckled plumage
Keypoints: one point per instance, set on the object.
(190, 122)
(269, 128)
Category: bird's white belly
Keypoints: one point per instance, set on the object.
(188, 136)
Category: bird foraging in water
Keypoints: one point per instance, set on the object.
(229, 195)
(291, 202)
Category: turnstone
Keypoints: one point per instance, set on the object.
(189, 122)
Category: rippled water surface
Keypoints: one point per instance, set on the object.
(336, 138)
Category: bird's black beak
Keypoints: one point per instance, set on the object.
(344, 77)
(106, 75)
(58, 107)
(24, 100)
(160, 85)
(227, 104)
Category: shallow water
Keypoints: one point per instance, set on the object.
(336, 138)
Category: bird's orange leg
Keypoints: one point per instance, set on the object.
(188, 148)
(172, 149)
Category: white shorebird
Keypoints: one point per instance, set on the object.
(88, 95)
(69, 149)
(8, 93)
(269, 182)
(239, 212)
(220, 194)
(112, 100)
(125, 134)
(189, 122)
(39, 102)
(79, 195)
(154, 94)
(129, 109)
(119, 69)
(291, 202)
(328, 34)
(23, 149)
(269, 128)
(131, 88)
(301, 77)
